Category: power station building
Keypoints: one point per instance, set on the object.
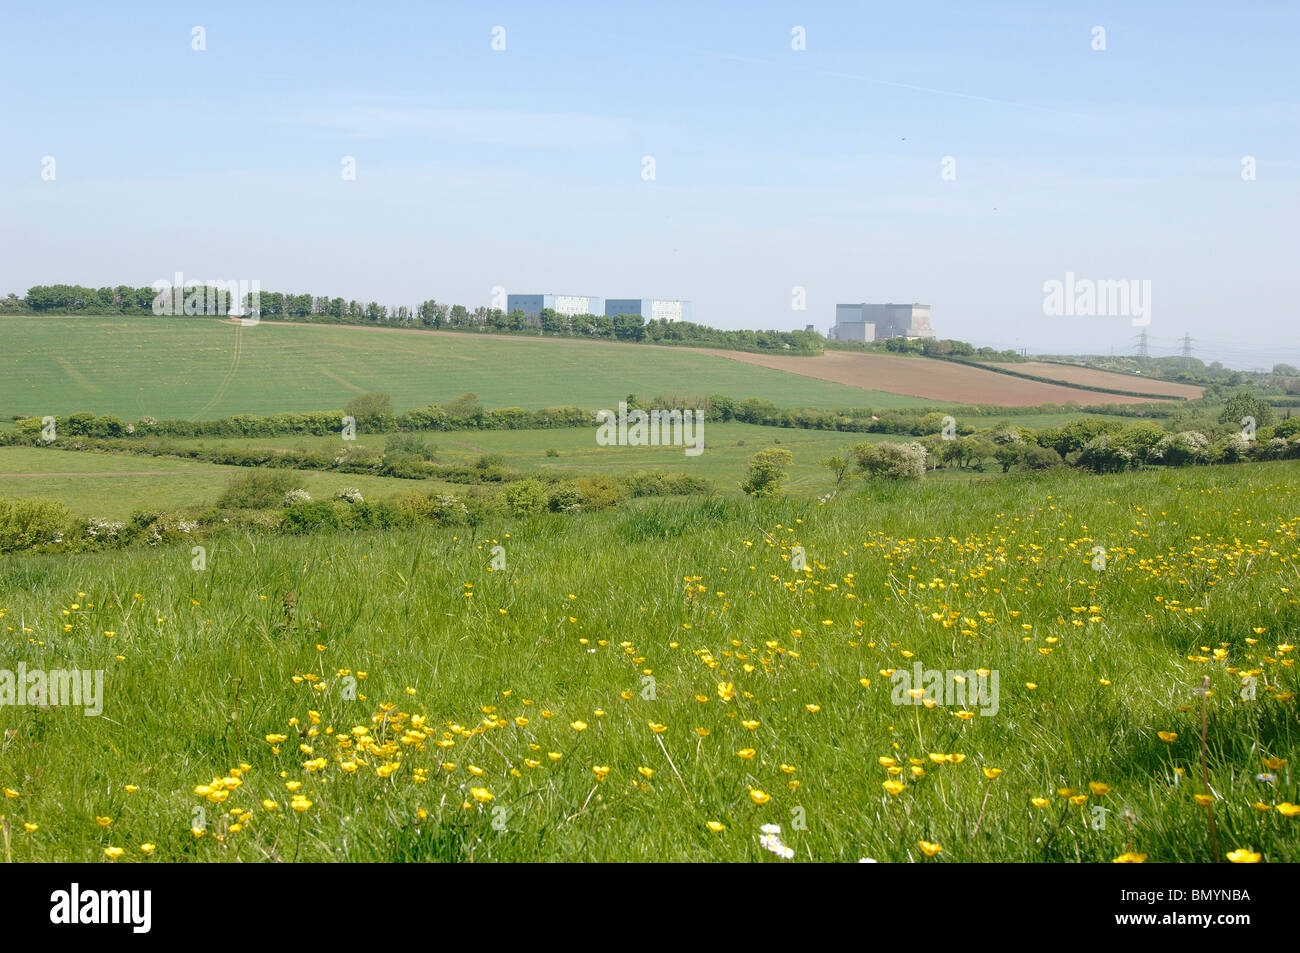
(652, 309)
(875, 322)
(533, 305)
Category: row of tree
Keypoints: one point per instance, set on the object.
(287, 306)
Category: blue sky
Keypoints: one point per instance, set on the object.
(774, 167)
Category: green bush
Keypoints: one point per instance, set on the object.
(564, 498)
(1105, 454)
(1181, 449)
(600, 492)
(892, 461)
(25, 524)
(258, 489)
(372, 412)
(312, 516)
(379, 514)
(410, 443)
(526, 497)
(768, 471)
(1244, 404)
(1288, 428)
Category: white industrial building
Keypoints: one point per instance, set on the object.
(652, 309)
(569, 305)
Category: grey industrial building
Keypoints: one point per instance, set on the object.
(875, 322)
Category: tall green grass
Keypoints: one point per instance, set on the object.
(697, 590)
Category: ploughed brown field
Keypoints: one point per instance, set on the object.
(1090, 377)
(936, 380)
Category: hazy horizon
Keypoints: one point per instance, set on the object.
(775, 168)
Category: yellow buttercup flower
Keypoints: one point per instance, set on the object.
(1129, 857)
(759, 796)
(893, 787)
(1243, 856)
(928, 848)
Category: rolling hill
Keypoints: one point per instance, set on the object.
(207, 368)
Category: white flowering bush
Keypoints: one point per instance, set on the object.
(349, 495)
(1180, 449)
(892, 461)
(169, 528)
(296, 496)
(97, 528)
(1235, 448)
(1275, 449)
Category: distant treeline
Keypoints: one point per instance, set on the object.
(282, 306)
(929, 347)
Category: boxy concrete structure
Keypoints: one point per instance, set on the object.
(874, 322)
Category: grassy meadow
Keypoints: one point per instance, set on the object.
(205, 368)
(115, 485)
(659, 681)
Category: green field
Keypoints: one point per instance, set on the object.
(114, 486)
(728, 447)
(204, 368)
(658, 681)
